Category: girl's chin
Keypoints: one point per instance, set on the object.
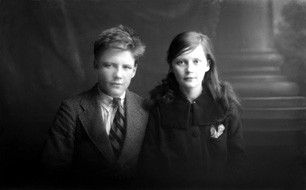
(190, 86)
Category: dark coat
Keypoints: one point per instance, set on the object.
(179, 147)
(78, 143)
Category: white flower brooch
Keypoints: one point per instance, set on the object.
(216, 133)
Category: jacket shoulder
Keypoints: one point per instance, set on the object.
(84, 97)
(75, 99)
(135, 96)
(138, 100)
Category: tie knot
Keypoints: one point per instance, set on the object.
(117, 101)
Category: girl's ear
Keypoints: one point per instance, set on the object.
(209, 60)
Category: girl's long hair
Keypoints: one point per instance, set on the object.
(221, 92)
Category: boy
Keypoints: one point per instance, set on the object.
(97, 135)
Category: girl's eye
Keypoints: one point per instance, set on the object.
(197, 61)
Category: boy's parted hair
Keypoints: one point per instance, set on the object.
(119, 37)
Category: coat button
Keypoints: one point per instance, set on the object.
(195, 134)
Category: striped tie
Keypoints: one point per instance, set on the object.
(117, 131)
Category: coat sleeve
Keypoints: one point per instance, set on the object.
(236, 145)
(58, 148)
(150, 165)
(237, 156)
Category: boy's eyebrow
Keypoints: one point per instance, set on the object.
(128, 65)
(105, 62)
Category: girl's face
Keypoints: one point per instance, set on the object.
(189, 69)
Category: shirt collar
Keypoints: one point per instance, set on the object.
(180, 113)
(108, 100)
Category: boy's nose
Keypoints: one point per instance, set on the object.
(118, 72)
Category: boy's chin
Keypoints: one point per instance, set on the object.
(115, 93)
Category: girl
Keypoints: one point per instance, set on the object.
(194, 134)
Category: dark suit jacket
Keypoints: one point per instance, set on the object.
(78, 143)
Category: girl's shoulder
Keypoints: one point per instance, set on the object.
(229, 99)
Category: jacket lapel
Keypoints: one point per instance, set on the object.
(135, 118)
(91, 119)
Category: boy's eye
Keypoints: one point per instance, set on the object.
(127, 67)
(107, 65)
(179, 62)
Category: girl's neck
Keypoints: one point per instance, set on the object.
(192, 93)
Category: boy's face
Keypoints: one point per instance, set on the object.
(115, 69)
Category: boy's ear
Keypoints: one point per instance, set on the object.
(134, 70)
(95, 64)
(170, 69)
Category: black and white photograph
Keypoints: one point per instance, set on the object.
(153, 94)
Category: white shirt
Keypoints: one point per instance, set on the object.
(108, 109)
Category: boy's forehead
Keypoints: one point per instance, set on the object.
(113, 51)
(119, 45)
(114, 55)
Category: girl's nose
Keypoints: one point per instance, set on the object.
(190, 67)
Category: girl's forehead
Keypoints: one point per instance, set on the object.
(196, 51)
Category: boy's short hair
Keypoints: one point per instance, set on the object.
(119, 37)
